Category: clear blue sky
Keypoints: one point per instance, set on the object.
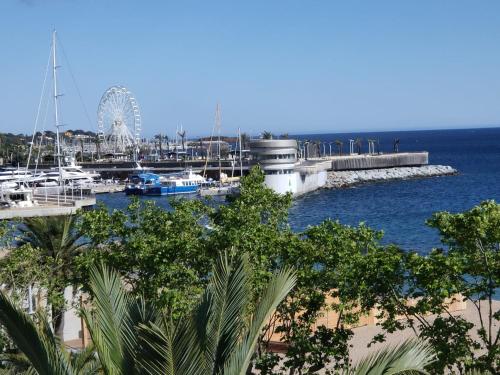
(284, 66)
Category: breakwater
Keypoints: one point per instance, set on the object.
(376, 161)
(338, 179)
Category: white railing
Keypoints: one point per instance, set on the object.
(67, 195)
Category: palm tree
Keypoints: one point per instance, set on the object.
(285, 136)
(358, 143)
(317, 146)
(59, 243)
(396, 145)
(245, 138)
(217, 338)
(159, 137)
(182, 134)
(167, 141)
(411, 357)
(82, 149)
(214, 339)
(340, 145)
(42, 350)
(267, 135)
(130, 337)
(98, 146)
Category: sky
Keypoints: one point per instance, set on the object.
(283, 66)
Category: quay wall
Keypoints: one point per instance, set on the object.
(297, 183)
(310, 182)
(356, 162)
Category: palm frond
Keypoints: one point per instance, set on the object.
(278, 288)
(228, 294)
(15, 362)
(85, 361)
(56, 235)
(38, 345)
(107, 321)
(410, 357)
(171, 349)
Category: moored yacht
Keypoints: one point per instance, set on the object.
(12, 174)
(18, 196)
(185, 182)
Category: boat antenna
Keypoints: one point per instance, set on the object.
(56, 107)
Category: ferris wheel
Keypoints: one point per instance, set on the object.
(119, 120)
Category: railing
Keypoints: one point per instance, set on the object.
(65, 196)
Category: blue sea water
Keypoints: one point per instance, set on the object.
(400, 208)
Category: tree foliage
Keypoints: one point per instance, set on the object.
(56, 243)
(166, 258)
(161, 254)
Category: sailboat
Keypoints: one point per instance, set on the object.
(64, 177)
(224, 186)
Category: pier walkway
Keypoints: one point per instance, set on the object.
(49, 205)
(373, 161)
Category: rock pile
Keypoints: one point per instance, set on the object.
(340, 179)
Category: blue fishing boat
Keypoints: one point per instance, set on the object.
(185, 182)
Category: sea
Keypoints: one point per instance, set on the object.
(400, 208)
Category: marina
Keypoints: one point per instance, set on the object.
(122, 160)
(118, 159)
(241, 188)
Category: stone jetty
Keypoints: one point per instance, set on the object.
(339, 179)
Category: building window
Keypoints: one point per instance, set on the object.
(279, 171)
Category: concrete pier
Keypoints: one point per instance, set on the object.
(48, 206)
(376, 161)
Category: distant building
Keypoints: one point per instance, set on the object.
(283, 170)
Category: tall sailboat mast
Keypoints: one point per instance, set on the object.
(241, 163)
(56, 107)
(218, 126)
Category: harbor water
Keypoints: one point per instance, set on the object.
(400, 208)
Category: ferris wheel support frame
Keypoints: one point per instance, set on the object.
(118, 100)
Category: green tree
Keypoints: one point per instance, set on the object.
(470, 267)
(255, 223)
(466, 270)
(23, 267)
(58, 243)
(328, 258)
(161, 254)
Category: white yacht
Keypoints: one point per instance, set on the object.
(12, 174)
(19, 196)
(71, 174)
